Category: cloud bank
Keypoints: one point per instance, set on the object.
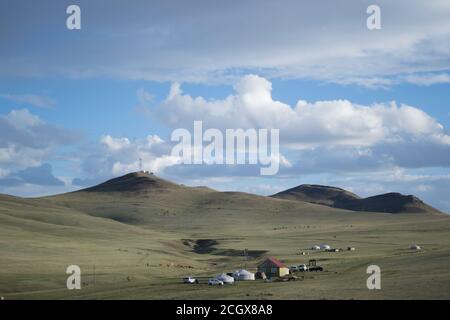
(208, 42)
(29, 99)
(323, 130)
(26, 140)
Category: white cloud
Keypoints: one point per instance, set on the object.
(305, 125)
(325, 40)
(150, 163)
(39, 175)
(27, 141)
(115, 144)
(23, 119)
(428, 79)
(153, 140)
(144, 96)
(335, 136)
(424, 187)
(29, 99)
(115, 156)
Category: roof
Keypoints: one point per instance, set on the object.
(243, 271)
(274, 261)
(224, 276)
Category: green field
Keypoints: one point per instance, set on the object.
(142, 242)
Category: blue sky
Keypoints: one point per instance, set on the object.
(81, 106)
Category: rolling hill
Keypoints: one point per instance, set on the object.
(318, 194)
(146, 200)
(135, 236)
(343, 199)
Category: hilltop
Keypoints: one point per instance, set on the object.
(318, 194)
(133, 182)
(389, 202)
(343, 199)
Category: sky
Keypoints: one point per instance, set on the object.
(365, 110)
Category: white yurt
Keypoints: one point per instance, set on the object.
(243, 275)
(315, 247)
(225, 278)
(415, 247)
(325, 247)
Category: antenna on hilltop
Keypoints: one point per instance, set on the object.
(140, 164)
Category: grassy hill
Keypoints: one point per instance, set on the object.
(316, 194)
(343, 199)
(142, 234)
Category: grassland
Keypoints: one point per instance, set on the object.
(142, 242)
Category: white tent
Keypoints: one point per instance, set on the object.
(325, 247)
(415, 247)
(243, 275)
(225, 278)
(315, 247)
